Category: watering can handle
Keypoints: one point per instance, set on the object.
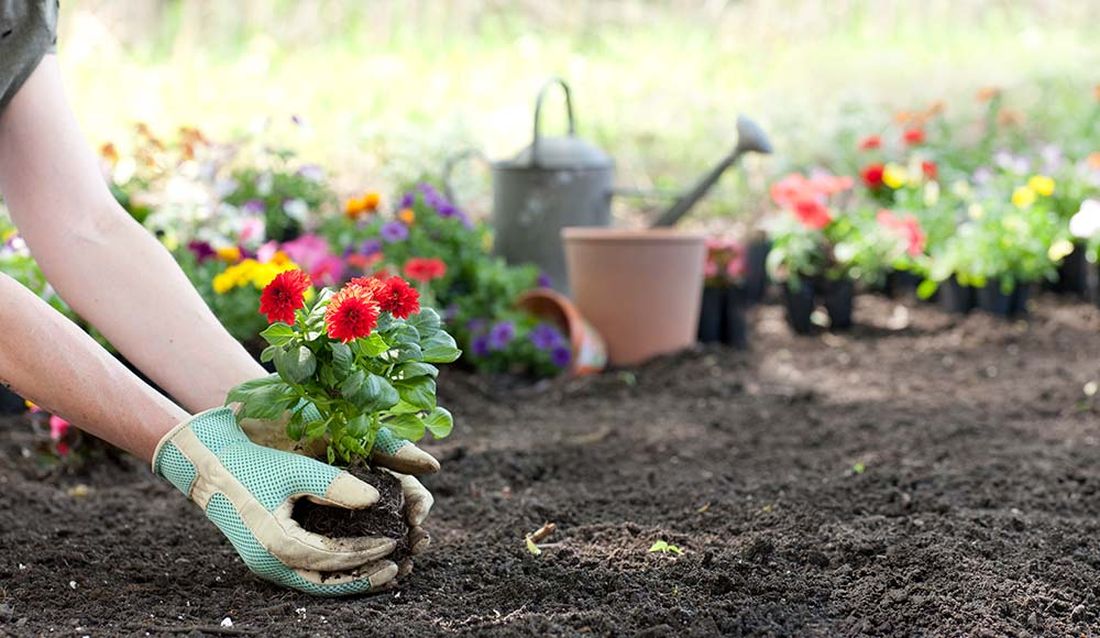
(454, 160)
(538, 112)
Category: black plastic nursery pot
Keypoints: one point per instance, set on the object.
(711, 315)
(1073, 273)
(992, 299)
(799, 300)
(756, 271)
(901, 283)
(838, 303)
(957, 298)
(10, 402)
(722, 318)
(736, 326)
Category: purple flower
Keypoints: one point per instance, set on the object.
(501, 334)
(312, 172)
(371, 247)
(449, 313)
(544, 281)
(202, 250)
(480, 346)
(394, 232)
(476, 325)
(253, 207)
(407, 200)
(561, 356)
(446, 209)
(545, 337)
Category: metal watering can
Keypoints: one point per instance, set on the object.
(565, 181)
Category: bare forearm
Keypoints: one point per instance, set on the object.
(48, 359)
(101, 262)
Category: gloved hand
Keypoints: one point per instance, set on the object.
(404, 459)
(249, 492)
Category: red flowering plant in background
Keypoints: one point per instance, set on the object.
(362, 355)
(811, 226)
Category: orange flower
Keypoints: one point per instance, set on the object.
(109, 153)
(935, 108)
(407, 216)
(353, 208)
(1009, 117)
(371, 201)
(1094, 160)
(352, 313)
(988, 93)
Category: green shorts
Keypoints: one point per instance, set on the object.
(28, 31)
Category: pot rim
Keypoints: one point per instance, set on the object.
(629, 235)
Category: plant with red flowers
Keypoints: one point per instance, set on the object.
(810, 237)
(349, 363)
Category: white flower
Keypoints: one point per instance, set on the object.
(1086, 222)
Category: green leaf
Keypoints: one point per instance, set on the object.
(372, 346)
(409, 351)
(264, 398)
(406, 426)
(326, 374)
(404, 333)
(419, 392)
(440, 348)
(404, 408)
(296, 365)
(278, 334)
(439, 422)
(351, 385)
(296, 427)
(341, 356)
(374, 395)
(269, 353)
(664, 547)
(359, 427)
(427, 322)
(532, 547)
(316, 316)
(316, 429)
(331, 454)
(413, 369)
(927, 288)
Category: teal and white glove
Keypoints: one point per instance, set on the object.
(249, 492)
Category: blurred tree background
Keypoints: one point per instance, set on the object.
(389, 88)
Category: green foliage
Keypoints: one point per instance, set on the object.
(384, 379)
(664, 547)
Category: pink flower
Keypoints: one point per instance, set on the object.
(907, 228)
(267, 252)
(735, 269)
(710, 269)
(308, 251)
(252, 228)
(58, 427)
(329, 271)
(791, 189)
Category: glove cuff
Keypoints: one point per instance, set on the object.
(215, 428)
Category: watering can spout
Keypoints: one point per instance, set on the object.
(750, 139)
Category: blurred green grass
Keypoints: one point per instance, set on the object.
(391, 87)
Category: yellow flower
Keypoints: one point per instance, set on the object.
(224, 282)
(1041, 184)
(8, 234)
(1060, 249)
(280, 258)
(1023, 197)
(407, 216)
(894, 176)
(229, 254)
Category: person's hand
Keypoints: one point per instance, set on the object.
(249, 492)
(404, 460)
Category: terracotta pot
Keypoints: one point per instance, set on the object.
(589, 350)
(640, 288)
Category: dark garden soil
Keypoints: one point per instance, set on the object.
(385, 518)
(923, 474)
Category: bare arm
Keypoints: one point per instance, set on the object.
(102, 262)
(48, 359)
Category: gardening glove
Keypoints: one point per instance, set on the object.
(249, 492)
(399, 456)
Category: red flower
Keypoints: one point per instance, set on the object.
(284, 295)
(929, 168)
(870, 143)
(352, 313)
(393, 294)
(399, 298)
(907, 227)
(812, 213)
(424, 269)
(913, 136)
(872, 175)
(787, 191)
